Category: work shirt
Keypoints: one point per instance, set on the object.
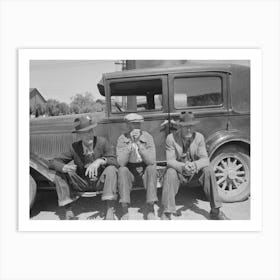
(143, 150)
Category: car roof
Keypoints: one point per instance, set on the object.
(191, 67)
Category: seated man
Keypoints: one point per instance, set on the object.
(94, 169)
(186, 157)
(136, 156)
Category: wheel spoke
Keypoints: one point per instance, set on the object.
(224, 164)
(219, 174)
(230, 187)
(228, 162)
(224, 185)
(240, 172)
(238, 167)
(240, 179)
(220, 168)
(221, 180)
(235, 183)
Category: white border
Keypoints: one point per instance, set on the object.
(254, 55)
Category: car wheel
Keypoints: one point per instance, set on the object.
(32, 191)
(232, 173)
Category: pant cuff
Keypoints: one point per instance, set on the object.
(109, 197)
(67, 201)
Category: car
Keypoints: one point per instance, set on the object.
(218, 94)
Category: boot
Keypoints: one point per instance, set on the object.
(69, 214)
(166, 216)
(110, 214)
(150, 211)
(216, 214)
(125, 214)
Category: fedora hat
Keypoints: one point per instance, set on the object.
(187, 119)
(84, 123)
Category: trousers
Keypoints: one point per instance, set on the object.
(173, 179)
(126, 178)
(66, 193)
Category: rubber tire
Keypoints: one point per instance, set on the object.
(245, 158)
(32, 191)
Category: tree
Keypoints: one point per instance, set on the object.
(83, 103)
(37, 110)
(52, 107)
(63, 108)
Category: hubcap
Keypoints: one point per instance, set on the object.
(230, 173)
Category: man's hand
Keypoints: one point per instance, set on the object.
(69, 168)
(92, 170)
(135, 133)
(189, 168)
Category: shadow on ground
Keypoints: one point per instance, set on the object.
(187, 198)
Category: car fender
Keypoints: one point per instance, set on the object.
(220, 138)
(41, 166)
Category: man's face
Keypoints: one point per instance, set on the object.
(133, 125)
(86, 137)
(187, 131)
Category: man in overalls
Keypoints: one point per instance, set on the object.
(187, 158)
(94, 169)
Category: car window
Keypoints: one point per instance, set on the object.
(197, 92)
(136, 96)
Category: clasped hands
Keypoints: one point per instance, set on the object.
(189, 168)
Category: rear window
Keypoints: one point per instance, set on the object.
(136, 96)
(197, 92)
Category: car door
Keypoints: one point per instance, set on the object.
(145, 95)
(203, 93)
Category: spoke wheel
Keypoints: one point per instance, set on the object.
(232, 173)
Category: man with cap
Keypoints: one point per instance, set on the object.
(94, 168)
(187, 158)
(136, 156)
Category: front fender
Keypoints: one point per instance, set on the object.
(222, 137)
(41, 166)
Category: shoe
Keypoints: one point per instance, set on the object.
(151, 216)
(216, 214)
(69, 215)
(125, 216)
(110, 214)
(166, 216)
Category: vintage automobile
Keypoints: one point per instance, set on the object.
(218, 94)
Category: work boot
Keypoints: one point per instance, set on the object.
(216, 214)
(166, 216)
(69, 214)
(110, 214)
(150, 211)
(125, 214)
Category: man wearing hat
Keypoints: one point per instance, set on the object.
(187, 158)
(94, 168)
(136, 156)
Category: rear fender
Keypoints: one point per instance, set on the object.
(223, 137)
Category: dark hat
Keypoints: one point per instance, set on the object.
(187, 118)
(84, 123)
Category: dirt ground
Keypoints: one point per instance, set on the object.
(191, 205)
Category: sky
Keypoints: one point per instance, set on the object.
(63, 79)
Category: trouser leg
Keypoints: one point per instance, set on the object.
(125, 181)
(150, 183)
(171, 184)
(208, 181)
(64, 192)
(109, 180)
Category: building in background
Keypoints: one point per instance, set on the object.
(36, 98)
